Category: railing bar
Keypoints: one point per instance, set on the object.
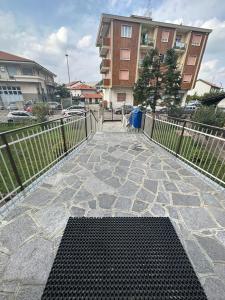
(7, 170)
(201, 146)
(50, 144)
(19, 160)
(28, 153)
(3, 179)
(9, 194)
(209, 151)
(34, 155)
(218, 157)
(43, 160)
(204, 152)
(25, 160)
(222, 163)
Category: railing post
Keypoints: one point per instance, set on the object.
(13, 164)
(180, 139)
(86, 132)
(91, 119)
(153, 125)
(63, 136)
(143, 123)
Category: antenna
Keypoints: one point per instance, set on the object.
(148, 11)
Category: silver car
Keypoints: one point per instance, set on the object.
(20, 116)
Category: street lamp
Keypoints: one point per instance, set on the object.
(68, 69)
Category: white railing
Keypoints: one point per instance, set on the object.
(28, 152)
(200, 145)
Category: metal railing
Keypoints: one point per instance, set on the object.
(200, 145)
(27, 152)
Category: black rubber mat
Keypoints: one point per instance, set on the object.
(121, 258)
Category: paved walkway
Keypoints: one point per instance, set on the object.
(116, 174)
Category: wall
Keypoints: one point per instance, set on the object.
(129, 96)
(200, 88)
(127, 43)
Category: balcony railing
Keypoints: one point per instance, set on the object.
(179, 46)
(28, 152)
(197, 144)
(105, 65)
(106, 82)
(147, 42)
(105, 46)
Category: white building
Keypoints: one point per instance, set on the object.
(202, 87)
(78, 89)
(22, 79)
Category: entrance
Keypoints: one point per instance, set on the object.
(112, 114)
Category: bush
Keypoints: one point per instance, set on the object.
(175, 112)
(210, 116)
(41, 111)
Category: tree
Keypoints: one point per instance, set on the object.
(62, 91)
(171, 79)
(210, 116)
(148, 86)
(41, 111)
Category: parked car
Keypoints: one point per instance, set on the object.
(2, 107)
(20, 116)
(54, 105)
(190, 108)
(76, 112)
(12, 106)
(126, 108)
(78, 108)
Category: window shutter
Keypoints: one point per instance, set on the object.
(124, 75)
(196, 40)
(124, 54)
(165, 36)
(187, 78)
(121, 97)
(191, 60)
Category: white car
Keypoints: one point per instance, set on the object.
(76, 112)
(20, 116)
(78, 108)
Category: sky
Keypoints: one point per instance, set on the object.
(45, 30)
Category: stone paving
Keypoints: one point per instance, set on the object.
(115, 174)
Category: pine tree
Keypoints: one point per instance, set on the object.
(171, 79)
(148, 86)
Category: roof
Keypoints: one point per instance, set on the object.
(82, 86)
(8, 57)
(93, 96)
(12, 57)
(210, 83)
(106, 18)
(73, 83)
(221, 104)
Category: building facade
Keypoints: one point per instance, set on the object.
(202, 87)
(124, 41)
(24, 80)
(78, 89)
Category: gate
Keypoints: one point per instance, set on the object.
(112, 115)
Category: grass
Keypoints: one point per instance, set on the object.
(37, 154)
(192, 149)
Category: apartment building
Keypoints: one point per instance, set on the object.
(22, 79)
(124, 41)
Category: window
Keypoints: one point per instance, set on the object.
(165, 36)
(126, 31)
(121, 97)
(2, 68)
(192, 60)
(187, 78)
(124, 75)
(196, 40)
(124, 54)
(27, 71)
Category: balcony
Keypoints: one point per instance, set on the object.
(105, 65)
(147, 43)
(180, 46)
(106, 174)
(103, 50)
(106, 82)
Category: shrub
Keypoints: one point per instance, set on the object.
(175, 112)
(41, 111)
(210, 116)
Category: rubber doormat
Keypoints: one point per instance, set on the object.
(121, 258)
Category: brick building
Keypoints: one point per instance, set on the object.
(124, 41)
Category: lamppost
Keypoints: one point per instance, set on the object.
(68, 69)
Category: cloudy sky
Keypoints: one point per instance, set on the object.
(45, 30)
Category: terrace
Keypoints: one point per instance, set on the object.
(111, 174)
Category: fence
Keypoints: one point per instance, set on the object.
(200, 145)
(26, 153)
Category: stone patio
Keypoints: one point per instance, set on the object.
(115, 174)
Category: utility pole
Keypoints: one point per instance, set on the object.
(68, 69)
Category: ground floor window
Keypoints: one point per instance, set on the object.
(121, 97)
(10, 90)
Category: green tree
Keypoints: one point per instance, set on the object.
(171, 79)
(148, 86)
(62, 91)
(41, 111)
(210, 116)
